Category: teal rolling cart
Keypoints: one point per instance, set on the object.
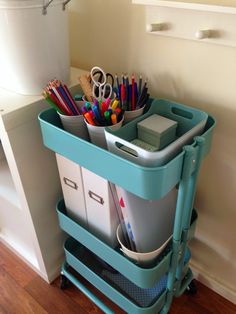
(135, 289)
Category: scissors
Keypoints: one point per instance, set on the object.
(101, 88)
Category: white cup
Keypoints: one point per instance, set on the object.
(75, 125)
(97, 134)
(142, 259)
(132, 114)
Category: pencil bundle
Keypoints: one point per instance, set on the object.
(59, 98)
(102, 113)
(131, 95)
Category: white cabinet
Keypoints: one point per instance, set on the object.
(29, 184)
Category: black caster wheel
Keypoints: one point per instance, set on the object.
(63, 282)
(191, 288)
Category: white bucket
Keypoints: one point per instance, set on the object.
(142, 259)
(34, 47)
(151, 221)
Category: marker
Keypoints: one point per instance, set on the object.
(118, 112)
(89, 119)
(114, 105)
(83, 110)
(113, 118)
(95, 102)
(88, 106)
(108, 101)
(97, 113)
(107, 117)
(104, 107)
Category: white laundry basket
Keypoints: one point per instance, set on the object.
(34, 44)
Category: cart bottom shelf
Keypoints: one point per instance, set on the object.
(112, 284)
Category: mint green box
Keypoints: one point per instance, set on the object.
(157, 131)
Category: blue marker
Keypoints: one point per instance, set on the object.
(88, 106)
(97, 114)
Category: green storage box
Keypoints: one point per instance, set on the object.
(157, 130)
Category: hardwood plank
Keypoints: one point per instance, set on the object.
(14, 299)
(212, 301)
(23, 292)
(52, 298)
(77, 296)
(15, 267)
(85, 302)
(205, 301)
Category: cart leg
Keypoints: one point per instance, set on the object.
(63, 282)
(191, 288)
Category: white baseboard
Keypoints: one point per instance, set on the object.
(34, 268)
(213, 284)
(53, 275)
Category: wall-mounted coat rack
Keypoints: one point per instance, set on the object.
(201, 22)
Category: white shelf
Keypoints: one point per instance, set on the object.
(189, 5)
(7, 187)
(188, 20)
(29, 183)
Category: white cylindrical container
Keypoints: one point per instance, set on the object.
(97, 133)
(34, 47)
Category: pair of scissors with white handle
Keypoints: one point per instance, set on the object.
(101, 89)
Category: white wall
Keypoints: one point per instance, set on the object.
(111, 34)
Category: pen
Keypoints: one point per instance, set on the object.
(140, 85)
(127, 91)
(117, 85)
(123, 79)
(130, 97)
(123, 104)
(133, 94)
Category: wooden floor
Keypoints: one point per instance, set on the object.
(22, 291)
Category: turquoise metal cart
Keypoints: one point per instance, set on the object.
(170, 275)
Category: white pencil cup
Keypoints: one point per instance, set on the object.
(132, 114)
(142, 259)
(97, 134)
(75, 125)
